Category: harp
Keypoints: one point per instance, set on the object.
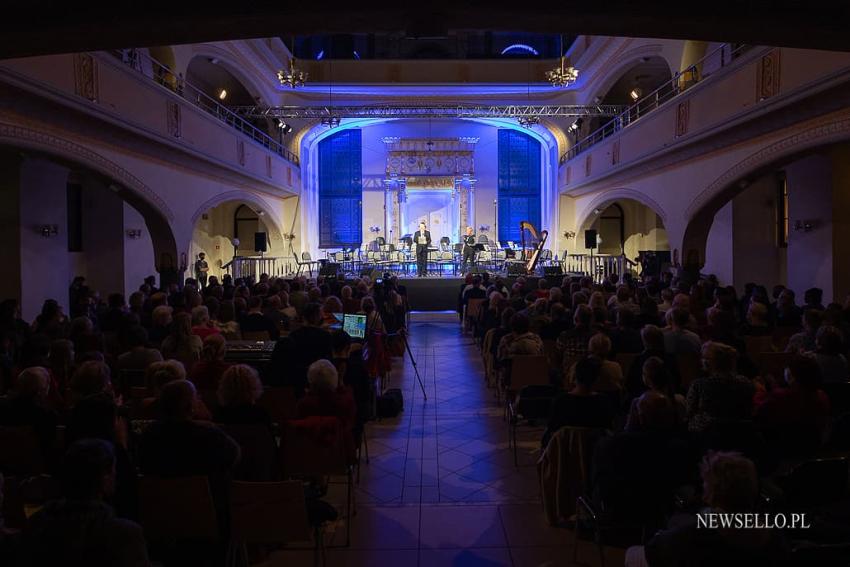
(533, 245)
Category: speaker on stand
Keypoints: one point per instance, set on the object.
(260, 242)
(590, 239)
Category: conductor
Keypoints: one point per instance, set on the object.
(468, 249)
(422, 238)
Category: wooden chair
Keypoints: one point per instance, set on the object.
(758, 345)
(487, 356)
(268, 513)
(319, 447)
(773, 363)
(20, 452)
(177, 509)
(255, 336)
(471, 312)
(531, 370)
(280, 403)
(625, 360)
(689, 367)
(259, 451)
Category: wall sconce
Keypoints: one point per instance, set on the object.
(804, 225)
(134, 233)
(484, 228)
(375, 229)
(48, 230)
(569, 234)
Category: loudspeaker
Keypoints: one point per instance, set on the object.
(590, 238)
(329, 269)
(552, 271)
(259, 241)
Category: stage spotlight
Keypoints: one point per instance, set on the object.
(222, 94)
(636, 93)
(283, 126)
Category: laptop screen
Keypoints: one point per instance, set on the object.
(354, 325)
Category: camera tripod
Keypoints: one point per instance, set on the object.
(401, 333)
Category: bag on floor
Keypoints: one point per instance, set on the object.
(390, 403)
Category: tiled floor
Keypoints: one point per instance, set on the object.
(441, 487)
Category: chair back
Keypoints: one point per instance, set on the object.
(255, 336)
(817, 482)
(177, 509)
(315, 446)
(128, 379)
(758, 345)
(482, 239)
(782, 335)
(625, 360)
(473, 307)
(268, 512)
(773, 363)
(689, 366)
(306, 257)
(259, 451)
(529, 370)
(20, 452)
(279, 402)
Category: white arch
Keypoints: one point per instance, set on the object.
(271, 217)
(603, 83)
(605, 198)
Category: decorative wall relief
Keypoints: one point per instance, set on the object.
(588, 164)
(240, 152)
(615, 153)
(569, 175)
(768, 79)
(173, 118)
(683, 115)
(85, 76)
(268, 165)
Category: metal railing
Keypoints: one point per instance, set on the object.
(457, 110)
(598, 266)
(681, 81)
(162, 75)
(254, 266)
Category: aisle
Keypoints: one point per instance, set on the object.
(441, 487)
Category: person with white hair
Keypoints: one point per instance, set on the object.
(325, 396)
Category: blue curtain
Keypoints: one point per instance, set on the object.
(340, 190)
(519, 183)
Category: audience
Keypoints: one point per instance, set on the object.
(238, 392)
(207, 373)
(722, 395)
(182, 344)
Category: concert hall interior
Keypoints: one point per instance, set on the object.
(288, 284)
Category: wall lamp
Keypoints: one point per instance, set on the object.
(804, 225)
(49, 230)
(134, 233)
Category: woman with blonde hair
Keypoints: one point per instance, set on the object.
(238, 392)
(182, 344)
(207, 373)
(157, 376)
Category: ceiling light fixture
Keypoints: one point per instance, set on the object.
(294, 77)
(562, 76)
(222, 94)
(528, 121)
(636, 93)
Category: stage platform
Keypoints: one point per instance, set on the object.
(436, 293)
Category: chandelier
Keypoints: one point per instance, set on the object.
(562, 76)
(330, 121)
(293, 78)
(528, 121)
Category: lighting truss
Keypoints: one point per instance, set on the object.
(429, 111)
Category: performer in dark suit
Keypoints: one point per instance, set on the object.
(468, 249)
(422, 239)
(202, 270)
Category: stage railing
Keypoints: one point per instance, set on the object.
(597, 266)
(253, 266)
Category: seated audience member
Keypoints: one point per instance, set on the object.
(624, 337)
(81, 528)
(758, 324)
(161, 319)
(622, 301)
(730, 485)
(559, 322)
(310, 342)
(182, 344)
(326, 396)
(610, 377)
(177, 445)
(723, 396)
(201, 324)
(798, 412)
(139, 357)
(350, 304)
(806, 340)
(272, 310)
(572, 344)
(289, 311)
(352, 373)
(581, 406)
(648, 315)
(226, 321)
(238, 392)
(255, 321)
(678, 339)
(91, 378)
(666, 300)
(84, 336)
(474, 291)
(828, 353)
(659, 408)
(158, 375)
(28, 406)
(653, 346)
(787, 313)
(62, 365)
(331, 305)
(97, 417)
(520, 342)
(207, 373)
(813, 299)
(52, 321)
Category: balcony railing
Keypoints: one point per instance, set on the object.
(719, 58)
(162, 75)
